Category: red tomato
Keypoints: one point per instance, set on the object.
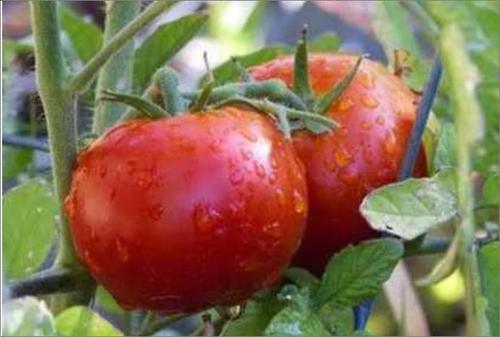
(185, 213)
(376, 114)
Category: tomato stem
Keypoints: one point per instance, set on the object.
(144, 106)
(168, 87)
(244, 74)
(204, 95)
(116, 74)
(301, 83)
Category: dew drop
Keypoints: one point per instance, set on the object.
(345, 104)
(299, 204)
(214, 145)
(274, 164)
(236, 176)
(249, 264)
(390, 143)
(366, 125)
(247, 134)
(112, 194)
(201, 219)
(156, 212)
(273, 229)
(330, 164)
(366, 80)
(102, 171)
(281, 197)
(122, 251)
(246, 154)
(380, 120)
(259, 170)
(273, 178)
(342, 158)
(369, 101)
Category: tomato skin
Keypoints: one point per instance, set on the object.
(376, 114)
(180, 214)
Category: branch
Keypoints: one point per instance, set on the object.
(26, 142)
(85, 76)
(49, 282)
(116, 74)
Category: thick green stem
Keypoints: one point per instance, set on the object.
(116, 74)
(463, 80)
(85, 76)
(60, 114)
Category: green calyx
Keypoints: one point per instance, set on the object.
(292, 110)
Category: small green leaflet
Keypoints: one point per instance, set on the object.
(490, 282)
(357, 272)
(410, 208)
(81, 321)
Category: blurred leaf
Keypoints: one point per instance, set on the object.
(490, 282)
(85, 36)
(491, 191)
(430, 139)
(325, 43)
(357, 272)
(227, 72)
(28, 227)
(299, 318)
(255, 318)
(27, 316)
(338, 321)
(162, 45)
(393, 30)
(445, 154)
(12, 48)
(410, 208)
(444, 267)
(14, 161)
(81, 321)
(106, 301)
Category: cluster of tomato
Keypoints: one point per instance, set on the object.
(204, 209)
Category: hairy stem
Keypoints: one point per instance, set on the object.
(85, 76)
(116, 74)
(60, 114)
(463, 80)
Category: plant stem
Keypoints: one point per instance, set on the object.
(85, 76)
(57, 104)
(116, 74)
(463, 80)
(50, 281)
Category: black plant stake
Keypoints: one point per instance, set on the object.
(362, 311)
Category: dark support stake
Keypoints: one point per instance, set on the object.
(362, 311)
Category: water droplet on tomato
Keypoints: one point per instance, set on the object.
(380, 120)
(259, 170)
(273, 229)
(281, 197)
(342, 158)
(366, 125)
(366, 80)
(299, 204)
(249, 264)
(274, 164)
(369, 101)
(102, 171)
(273, 178)
(122, 251)
(345, 104)
(246, 154)
(236, 176)
(248, 135)
(156, 212)
(390, 143)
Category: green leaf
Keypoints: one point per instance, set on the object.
(490, 282)
(393, 30)
(292, 322)
(445, 154)
(27, 317)
(11, 48)
(357, 272)
(491, 190)
(106, 301)
(162, 45)
(81, 321)
(227, 72)
(28, 227)
(15, 160)
(85, 36)
(338, 321)
(325, 43)
(302, 277)
(255, 318)
(410, 208)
